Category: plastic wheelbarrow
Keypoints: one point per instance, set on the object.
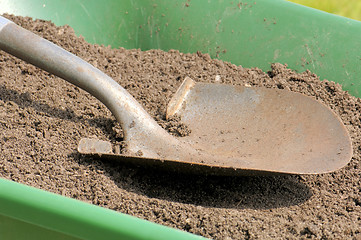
(250, 33)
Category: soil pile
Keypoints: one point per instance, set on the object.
(43, 117)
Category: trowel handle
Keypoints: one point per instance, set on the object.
(50, 57)
(33, 49)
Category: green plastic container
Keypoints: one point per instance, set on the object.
(249, 33)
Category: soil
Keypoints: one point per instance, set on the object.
(43, 118)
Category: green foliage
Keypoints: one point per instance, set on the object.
(346, 8)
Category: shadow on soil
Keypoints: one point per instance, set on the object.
(23, 100)
(208, 191)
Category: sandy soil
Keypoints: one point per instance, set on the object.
(42, 118)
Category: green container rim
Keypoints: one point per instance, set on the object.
(76, 218)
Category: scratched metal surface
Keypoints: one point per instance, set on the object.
(237, 130)
(265, 129)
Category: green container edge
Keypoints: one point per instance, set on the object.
(248, 33)
(74, 218)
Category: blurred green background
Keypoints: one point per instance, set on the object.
(346, 8)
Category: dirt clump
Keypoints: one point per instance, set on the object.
(43, 118)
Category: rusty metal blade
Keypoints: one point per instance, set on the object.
(239, 130)
(264, 129)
